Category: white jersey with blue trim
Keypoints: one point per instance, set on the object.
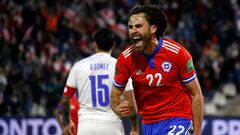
(93, 78)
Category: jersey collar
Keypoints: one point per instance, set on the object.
(151, 57)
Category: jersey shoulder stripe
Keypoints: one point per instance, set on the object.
(128, 51)
(171, 46)
(118, 85)
(187, 80)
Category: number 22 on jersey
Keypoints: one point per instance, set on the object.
(151, 77)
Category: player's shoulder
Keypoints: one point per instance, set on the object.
(95, 58)
(172, 46)
(127, 52)
(82, 62)
(112, 59)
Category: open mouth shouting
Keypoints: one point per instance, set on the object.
(137, 41)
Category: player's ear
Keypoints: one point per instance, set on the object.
(95, 46)
(114, 45)
(153, 28)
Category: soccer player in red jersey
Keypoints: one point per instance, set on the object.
(166, 88)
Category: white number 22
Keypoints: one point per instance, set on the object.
(151, 78)
(174, 128)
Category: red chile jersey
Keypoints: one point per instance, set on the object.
(158, 80)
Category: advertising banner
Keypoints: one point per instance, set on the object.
(49, 126)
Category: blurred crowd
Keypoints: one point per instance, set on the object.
(41, 39)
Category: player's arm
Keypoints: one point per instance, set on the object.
(69, 90)
(124, 107)
(197, 105)
(121, 99)
(65, 102)
(120, 108)
(58, 115)
(122, 102)
(128, 96)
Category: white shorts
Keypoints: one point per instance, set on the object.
(100, 127)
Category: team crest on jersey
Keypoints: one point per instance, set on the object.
(166, 66)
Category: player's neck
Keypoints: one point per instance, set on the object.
(152, 45)
(101, 51)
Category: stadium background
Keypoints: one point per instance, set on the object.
(41, 39)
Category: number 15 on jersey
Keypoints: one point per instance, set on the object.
(99, 90)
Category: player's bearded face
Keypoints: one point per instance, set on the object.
(139, 31)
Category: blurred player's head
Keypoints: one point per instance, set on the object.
(104, 40)
(145, 23)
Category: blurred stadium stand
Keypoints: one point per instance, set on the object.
(41, 39)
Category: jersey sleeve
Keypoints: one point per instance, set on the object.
(121, 73)
(71, 84)
(186, 67)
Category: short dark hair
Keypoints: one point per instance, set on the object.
(154, 15)
(104, 38)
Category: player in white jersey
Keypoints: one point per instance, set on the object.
(92, 78)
